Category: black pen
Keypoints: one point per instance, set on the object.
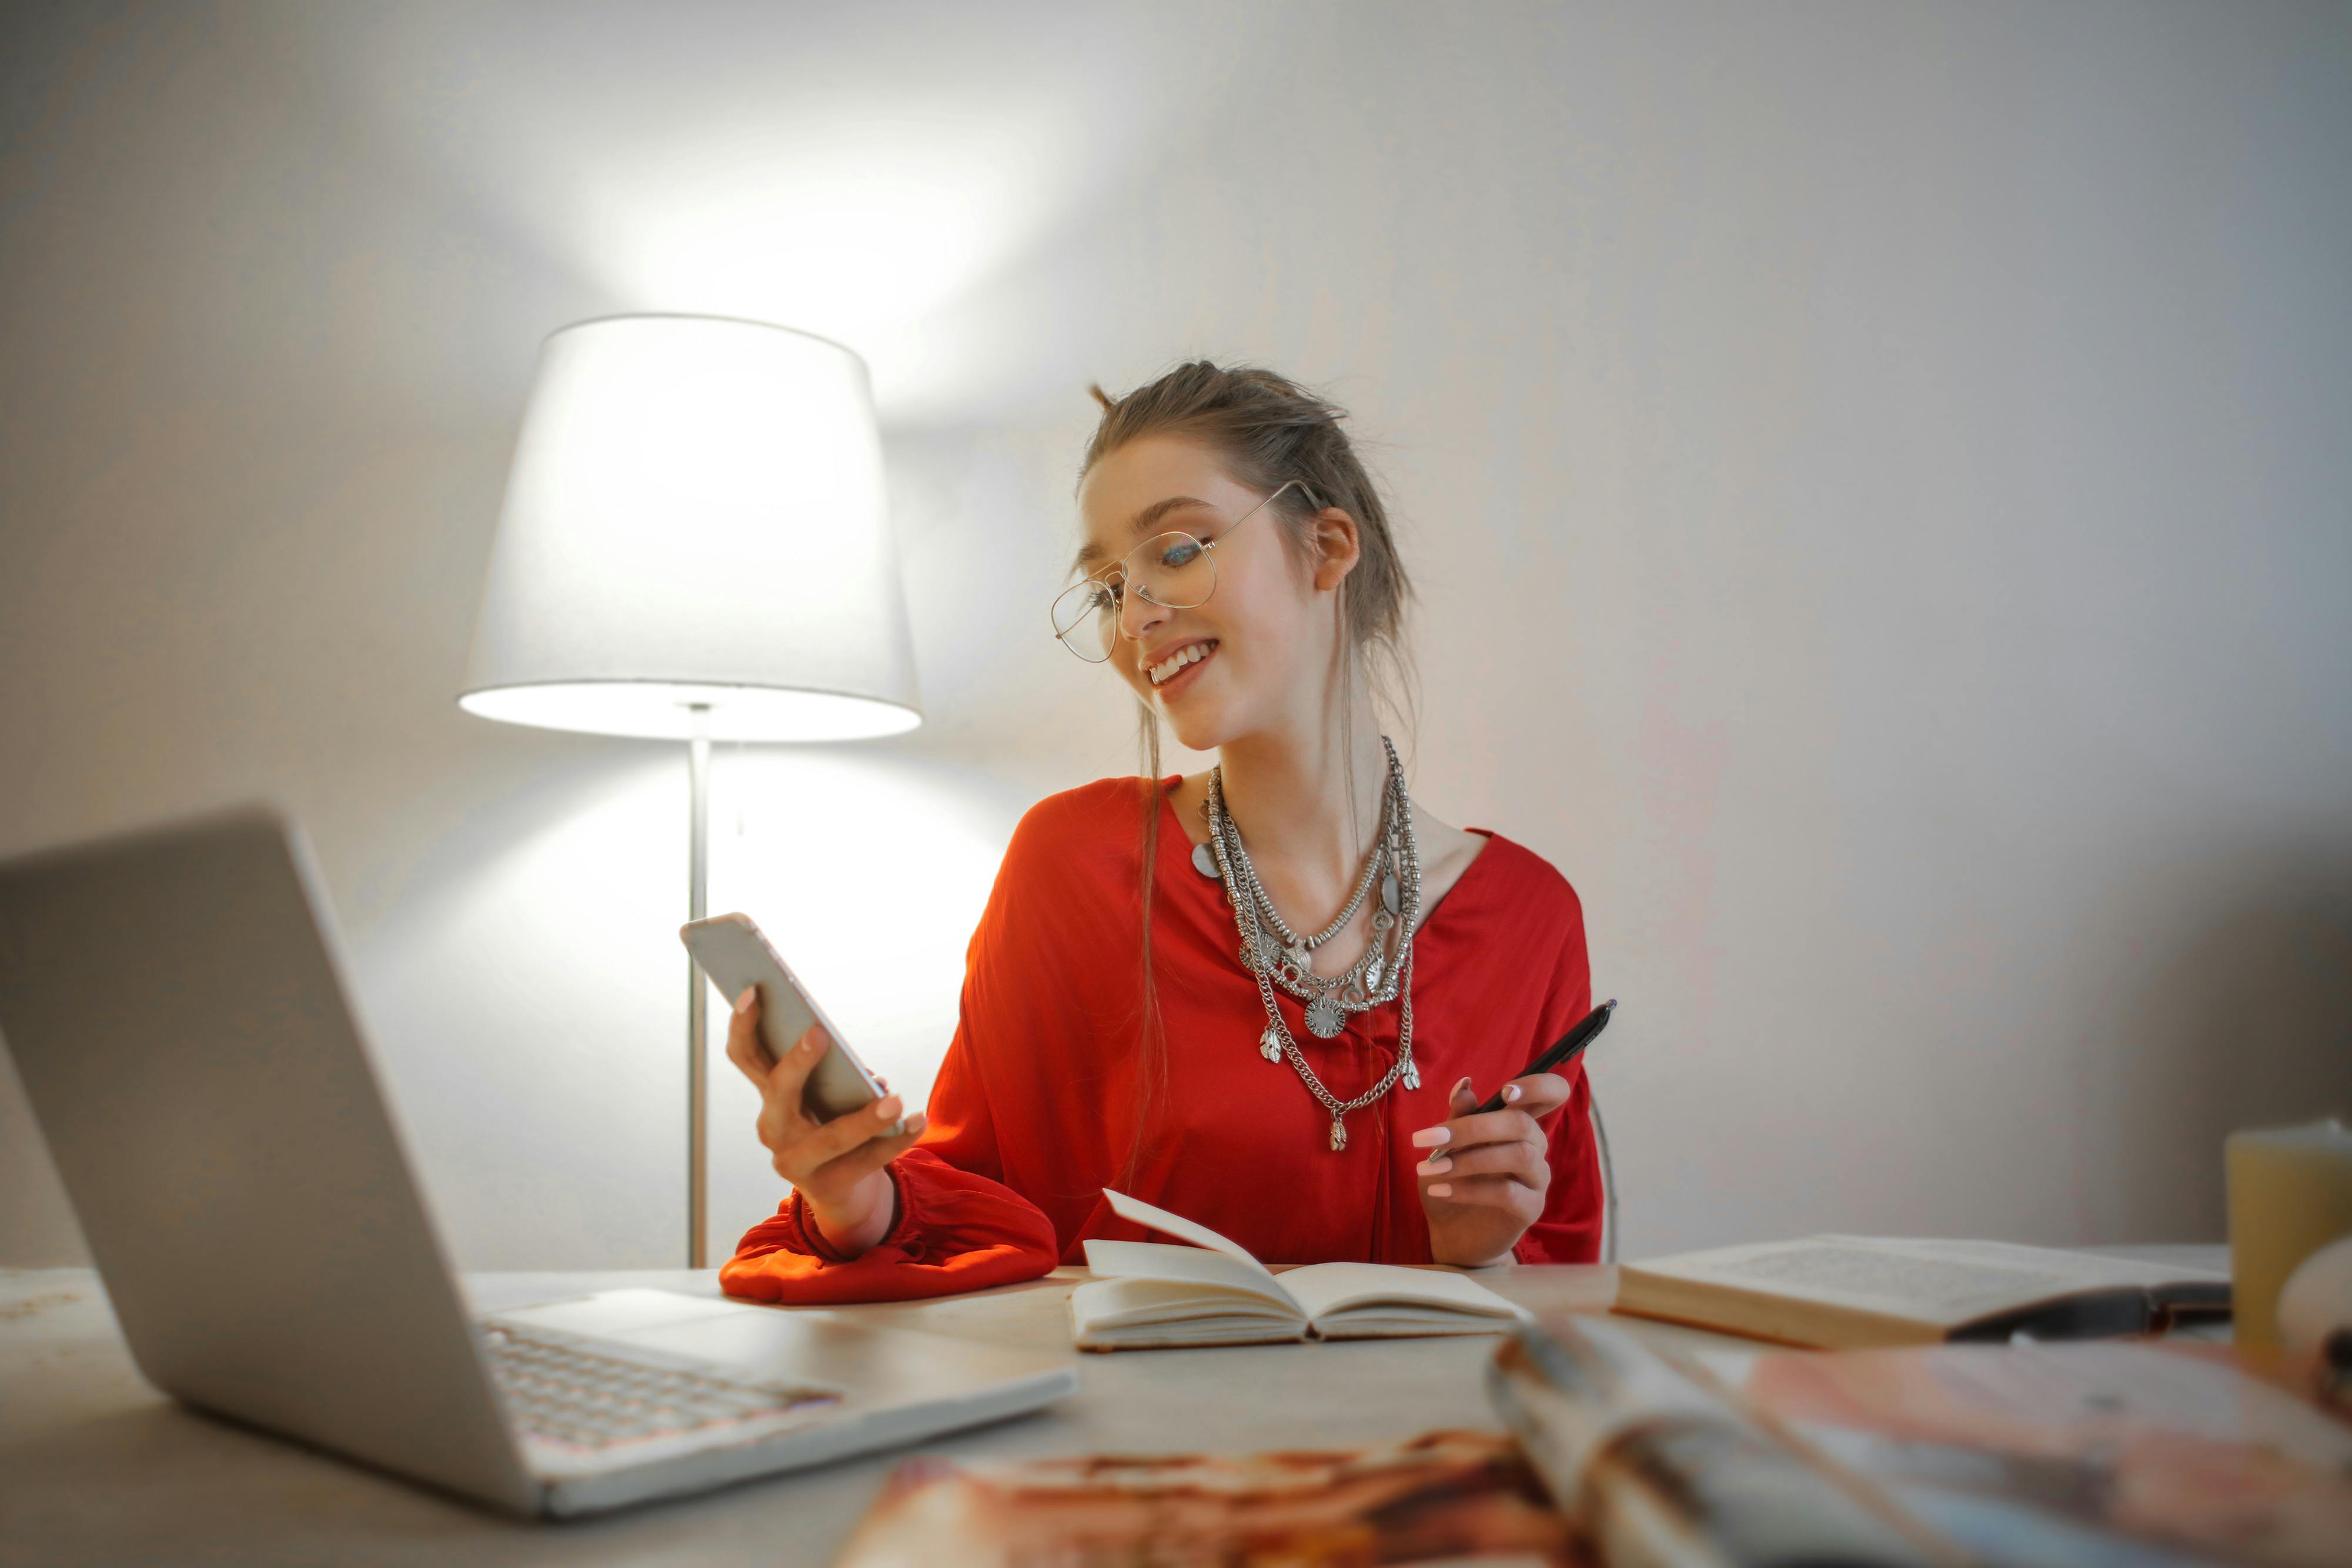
(1563, 1050)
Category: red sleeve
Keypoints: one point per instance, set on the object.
(955, 1231)
(958, 1228)
(1569, 1230)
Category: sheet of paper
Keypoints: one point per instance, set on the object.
(1193, 1266)
(1321, 1288)
(1183, 1229)
(1110, 1304)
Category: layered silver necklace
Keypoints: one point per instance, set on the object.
(1276, 954)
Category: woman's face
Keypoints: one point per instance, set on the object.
(1255, 655)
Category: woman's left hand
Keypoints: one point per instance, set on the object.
(1483, 1177)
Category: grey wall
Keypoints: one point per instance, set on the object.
(1875, 476)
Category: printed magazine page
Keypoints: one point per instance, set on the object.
(2148, 1452)
(1466, 1499)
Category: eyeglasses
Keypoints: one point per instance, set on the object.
(1173, 571)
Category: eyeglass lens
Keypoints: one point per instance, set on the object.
(1173, 571)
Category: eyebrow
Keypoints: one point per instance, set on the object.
(1093, 553)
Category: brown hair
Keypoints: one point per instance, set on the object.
(1269, 430)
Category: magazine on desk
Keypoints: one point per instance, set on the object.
(2028, 1456)
(1150, 1295)
(1456, 1498)
(2038, 1456)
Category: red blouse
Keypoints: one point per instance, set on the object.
(1037, 1108)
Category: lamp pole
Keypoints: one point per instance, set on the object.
(697, 990)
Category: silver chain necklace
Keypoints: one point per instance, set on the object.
(1275, 954)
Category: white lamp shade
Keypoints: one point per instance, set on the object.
(696, 516)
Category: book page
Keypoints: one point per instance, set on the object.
(1197, 1267)
(2085, 1271)
(1111, 1312)
(1183, 1229)
(1945, 1283)
(1329, 1287)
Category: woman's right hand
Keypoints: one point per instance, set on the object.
(837, 1165)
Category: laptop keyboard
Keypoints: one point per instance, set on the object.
(557, 1392)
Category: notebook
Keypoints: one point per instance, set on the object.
(1861, 1291)
(1150, 1295)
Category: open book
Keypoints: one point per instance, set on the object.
(1146, 1294)
(1859, 1291)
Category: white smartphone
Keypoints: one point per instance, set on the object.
(733, 953)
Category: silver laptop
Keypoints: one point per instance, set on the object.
(175, 1003)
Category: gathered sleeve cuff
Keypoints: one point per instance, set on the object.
(954, 1231)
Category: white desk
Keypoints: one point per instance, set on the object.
(97, 1468)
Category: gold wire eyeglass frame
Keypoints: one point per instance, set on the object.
(1100, 600)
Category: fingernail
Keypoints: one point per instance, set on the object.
(1437, 1165)
(1439, 1189)
(1510, 1093)
(743, 1002)
(1430, 1137)
(1463, 1084)
(918, 1122)
(887, 1108)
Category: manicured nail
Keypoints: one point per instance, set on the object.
(1439, 1189)
(1510, 1093)
(887, 1108)
(1463, 1084)
(918, 1122)
(1430, 1137)
(743, 1002)
(1437, 1165)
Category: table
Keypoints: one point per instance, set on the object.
(96, 1467)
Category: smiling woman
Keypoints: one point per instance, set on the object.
(1269, 996)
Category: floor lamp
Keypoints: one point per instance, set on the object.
(694, 548)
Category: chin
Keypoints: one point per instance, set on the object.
(1197, 724)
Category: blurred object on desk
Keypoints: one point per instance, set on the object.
(1854, 1293)
(1658, 1469)
(2067, 1454)
(1454, 1497)
(2290, 1195)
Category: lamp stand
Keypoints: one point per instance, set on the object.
(697, 990)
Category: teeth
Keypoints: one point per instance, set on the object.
(1166, 667)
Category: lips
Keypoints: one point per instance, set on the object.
(1181, 660)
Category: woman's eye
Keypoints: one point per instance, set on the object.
(1182, 552)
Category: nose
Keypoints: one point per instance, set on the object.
(1137, 615)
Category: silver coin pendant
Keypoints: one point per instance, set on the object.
(1325, 1019)
(1204, 861)
(1390, 900)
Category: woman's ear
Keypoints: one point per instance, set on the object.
(1337, 546)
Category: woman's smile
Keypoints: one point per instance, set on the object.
(1173, 670)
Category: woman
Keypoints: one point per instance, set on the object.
(1313, 1101)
